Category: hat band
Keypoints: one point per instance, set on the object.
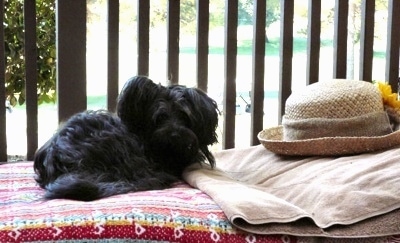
(369, 125)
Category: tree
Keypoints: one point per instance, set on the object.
(354, 26)
(354, 30)
(14, 51)
(187, 14)
(245, 12)
(217, 11)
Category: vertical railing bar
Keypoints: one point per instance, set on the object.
(112, 53)
(3, 120)
(258, 66)
(71, 57)
(230, 62)
(313, 41)
(285, 55)
(173, 26)
(31, 78)
(393, 44)
(340, 39)
(367, 39)
(143, 33)
(202, 44)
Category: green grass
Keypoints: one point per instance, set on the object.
(271, 49)
(92, 101)
(97, 101)
(379, 54)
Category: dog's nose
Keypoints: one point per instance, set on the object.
(175, 136)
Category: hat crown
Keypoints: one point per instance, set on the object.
(334, 99)
(339, 108)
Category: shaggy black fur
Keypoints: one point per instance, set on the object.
(159, 132)
(176, 124)
(93, 156)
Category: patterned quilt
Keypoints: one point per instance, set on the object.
(178, 214)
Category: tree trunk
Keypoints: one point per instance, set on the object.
(351, 42)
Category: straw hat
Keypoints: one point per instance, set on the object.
(337, 117)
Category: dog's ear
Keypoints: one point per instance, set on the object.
(43, 164)
(38, 165)
(204, 115)
(137, 95)
(205, 111)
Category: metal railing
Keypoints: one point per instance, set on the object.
(71, 56)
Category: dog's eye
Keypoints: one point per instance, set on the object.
(161, 118)
(185, 118)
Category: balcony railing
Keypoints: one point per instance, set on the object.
(71, 44)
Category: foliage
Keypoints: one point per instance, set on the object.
(245, 10)
(14, 50)
(187, 14)
(217, 13)
(354, 24)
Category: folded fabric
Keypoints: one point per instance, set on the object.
(265, 193)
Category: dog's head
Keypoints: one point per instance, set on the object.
(175, 123)
(137, 101)
(201, 116)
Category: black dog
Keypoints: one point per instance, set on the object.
(93, 156)
(176, 124)
(161, 130)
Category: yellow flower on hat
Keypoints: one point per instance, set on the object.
(389, 98)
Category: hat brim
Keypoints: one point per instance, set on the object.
(272, 139)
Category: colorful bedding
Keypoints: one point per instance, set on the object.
(178, 214)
